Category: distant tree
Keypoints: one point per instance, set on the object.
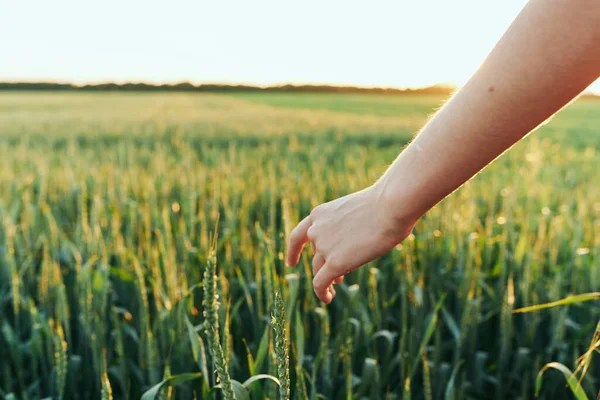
(216, 88)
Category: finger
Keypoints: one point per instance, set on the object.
(339, 280)
(332, 291)
(322, 281)
(298, 239)
(317, 263)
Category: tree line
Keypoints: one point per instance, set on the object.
(216, 88)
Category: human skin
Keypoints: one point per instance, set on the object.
(548, 56)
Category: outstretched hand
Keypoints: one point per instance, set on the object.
(492, 111)
(345, 234)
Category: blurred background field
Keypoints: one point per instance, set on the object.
(107, 201)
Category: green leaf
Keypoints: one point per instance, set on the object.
(370, 376)
(9, 336)
(428, 333)
(451, 324)
(259, 377)
(576, 388)
(98, 281)
(389, 336)
(356, 328)
(450, 390)
(566, 301)
(299, 334)
(246, 288)
(192, 288)
(198, 351)
(171, 381)
(388, 340)
(122, 274)
(262, 350)
(241, 389)
(241, 393)
(256, 365)
(294, 286)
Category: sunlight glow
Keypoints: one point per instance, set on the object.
(264, 42)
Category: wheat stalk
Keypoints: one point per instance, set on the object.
(281, 347)
(211, 310)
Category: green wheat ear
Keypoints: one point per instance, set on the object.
(106, 392)
(60, 357)
(281, 347)
(211, 310)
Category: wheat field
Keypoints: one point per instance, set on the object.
(142, 238)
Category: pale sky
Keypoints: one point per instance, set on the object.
(397, 43)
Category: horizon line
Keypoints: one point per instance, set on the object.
(440, 86)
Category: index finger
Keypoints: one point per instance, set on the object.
(298, 239)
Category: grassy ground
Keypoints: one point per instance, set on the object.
(362, 104)
(107, 202)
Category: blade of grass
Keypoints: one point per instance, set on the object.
(563, 302)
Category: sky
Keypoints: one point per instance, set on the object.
(393, 43)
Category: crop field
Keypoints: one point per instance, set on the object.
(113, 283)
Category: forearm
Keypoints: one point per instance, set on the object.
(547, 57)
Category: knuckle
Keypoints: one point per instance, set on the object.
(316, 211)
(311, 233)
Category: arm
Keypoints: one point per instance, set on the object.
(549, 55)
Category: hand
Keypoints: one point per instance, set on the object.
(345, 234)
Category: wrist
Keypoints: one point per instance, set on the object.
(397, 202)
